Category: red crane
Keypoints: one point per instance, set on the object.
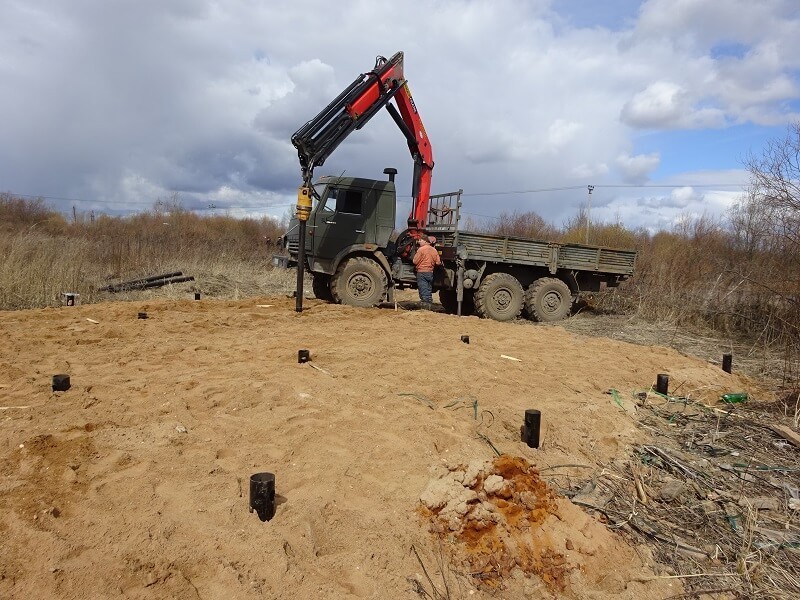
(353, 109)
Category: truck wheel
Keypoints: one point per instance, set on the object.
(448, 300)
(359, 281)
(500, 297)
(321, 285)
(548, 299)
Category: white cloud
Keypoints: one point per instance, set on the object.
(666, 105)
(679, 198)
(561, 132)
(635, 169)
(682, 196)
(662, 103)
(588, 171)
(201, 97)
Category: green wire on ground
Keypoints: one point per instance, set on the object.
(422, 399)
(455, 404)
(488, 441)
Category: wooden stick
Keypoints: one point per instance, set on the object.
(640, 490)
(657, 577)
(787, 434)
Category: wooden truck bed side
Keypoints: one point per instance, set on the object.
(553, 256)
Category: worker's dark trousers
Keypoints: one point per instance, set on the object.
(425, 285)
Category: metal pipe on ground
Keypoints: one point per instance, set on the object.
(114, 287)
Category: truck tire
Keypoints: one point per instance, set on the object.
(548, 299)
(448, 300)
(500, 297)
(321, 285)
(359, 281)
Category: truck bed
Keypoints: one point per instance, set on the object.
(553, 256)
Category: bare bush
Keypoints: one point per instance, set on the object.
(524, 224)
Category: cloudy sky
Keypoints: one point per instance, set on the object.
(111, 105)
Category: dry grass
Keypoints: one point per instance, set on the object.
(41, 255)
(37, 267)
(729, 517)
(750, 356)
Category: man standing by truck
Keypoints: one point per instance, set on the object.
(425, 260)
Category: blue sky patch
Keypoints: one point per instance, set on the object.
(705, 150)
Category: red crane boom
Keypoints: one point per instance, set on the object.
(352, 109)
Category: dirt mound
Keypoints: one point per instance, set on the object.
(491, 512)
(499, 519)
(134, 481)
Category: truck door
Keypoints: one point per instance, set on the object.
(339, 222)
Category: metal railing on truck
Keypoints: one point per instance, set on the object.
(443, 219)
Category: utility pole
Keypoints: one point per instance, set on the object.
(588, 209)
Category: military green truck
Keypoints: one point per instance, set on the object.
(349, 243)
(356, 258)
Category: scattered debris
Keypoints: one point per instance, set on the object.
(628, 405)
(92, 321)
(734, 397)
(510, 358)
(761, 503)
(427, 401)
(671, 490)
(147, 282)
(71, 298)
(181, 429)
(787, 434)
(318, 368)
(724, 492)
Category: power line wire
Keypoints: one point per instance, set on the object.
(466, 194)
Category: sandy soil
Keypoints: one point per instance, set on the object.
(134, 482)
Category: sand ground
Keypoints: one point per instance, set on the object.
(134, 482)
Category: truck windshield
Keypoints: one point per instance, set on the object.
(339, 200)
(318, 192)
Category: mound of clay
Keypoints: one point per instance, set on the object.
(500, 520)
(490, 510)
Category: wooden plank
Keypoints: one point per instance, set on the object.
(787, 434)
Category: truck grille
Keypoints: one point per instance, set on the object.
(293, 246)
